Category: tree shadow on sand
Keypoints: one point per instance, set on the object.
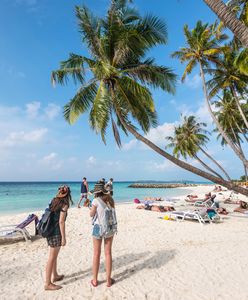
(138, 262)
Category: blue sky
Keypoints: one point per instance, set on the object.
(35, 141)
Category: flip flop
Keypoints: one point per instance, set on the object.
(94, 284)
(112, 282)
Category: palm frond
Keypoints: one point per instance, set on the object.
(116, 133)
(89, 26)
(80, 103)
(154, 76)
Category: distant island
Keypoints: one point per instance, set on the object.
(161, 185)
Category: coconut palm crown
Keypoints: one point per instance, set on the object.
(203, 47)
(116, 90)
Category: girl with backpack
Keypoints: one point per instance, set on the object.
(104, 227)
(57, 238)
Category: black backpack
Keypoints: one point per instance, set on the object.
(46, 224)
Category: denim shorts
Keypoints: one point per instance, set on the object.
(97, 234)
(96, 231)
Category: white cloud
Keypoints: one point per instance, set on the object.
(91, 161)
(193, 82)
(173, 102)
(32, 109)
(52, 111)
(156, 135)
(165, 165)
(50, 157)
(51, 161)
(201, 112)
(129, 145)
(22, 137)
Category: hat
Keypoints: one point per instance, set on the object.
(63, 191)
(98, 188)
(136, 200)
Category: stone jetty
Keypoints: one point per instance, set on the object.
(160, 185)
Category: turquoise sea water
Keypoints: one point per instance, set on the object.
(18, 197)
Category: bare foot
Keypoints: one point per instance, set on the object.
(52, 287)
(58, 278)
(79, 206)
(110, 282)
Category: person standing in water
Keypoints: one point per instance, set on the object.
(84, 191)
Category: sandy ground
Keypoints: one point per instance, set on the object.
(152, 259)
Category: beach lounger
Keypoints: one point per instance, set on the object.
(13, 231)
(201, 216)
(206, 203)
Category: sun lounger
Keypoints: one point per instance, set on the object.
(206, 203)
(201, 216)
(14, 231)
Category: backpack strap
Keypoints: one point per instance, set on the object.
(94, 219)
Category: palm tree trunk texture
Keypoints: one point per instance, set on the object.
(215, 162)
(207, 167)
(245, 173)
(228, 184)
(239, 29)
(238, 105)
(225, 136)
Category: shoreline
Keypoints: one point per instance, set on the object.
(41, 209)
(151, 258)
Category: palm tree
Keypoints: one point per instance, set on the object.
(227, 75)
(240, 8)
(228, 17)
(186, 147)
(195, 131)
(230, 119)
(119, 76)
(189, 139)
(203, 48)
(241, 61)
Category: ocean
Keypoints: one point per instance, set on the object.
(16, 197)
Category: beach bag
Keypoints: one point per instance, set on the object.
(108, 225)
(45, 226)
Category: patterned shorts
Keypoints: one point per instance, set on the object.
(54, 241)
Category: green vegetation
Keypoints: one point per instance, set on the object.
(116, 90)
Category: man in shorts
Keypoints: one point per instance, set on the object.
(84, 191)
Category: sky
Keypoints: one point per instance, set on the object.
(36, 144)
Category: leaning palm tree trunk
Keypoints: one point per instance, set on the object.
(245, 170)
(207, 167)
(239, 107)
(215, 162)
(224, 13)
(222, 132)
(228, 184)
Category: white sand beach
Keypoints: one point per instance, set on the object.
(152, 259)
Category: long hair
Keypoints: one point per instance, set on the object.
(106, 198)
(58, 203)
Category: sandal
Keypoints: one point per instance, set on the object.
(112, 282)
(94, 284)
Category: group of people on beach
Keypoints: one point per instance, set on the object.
(102, 211)
(85, 192)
